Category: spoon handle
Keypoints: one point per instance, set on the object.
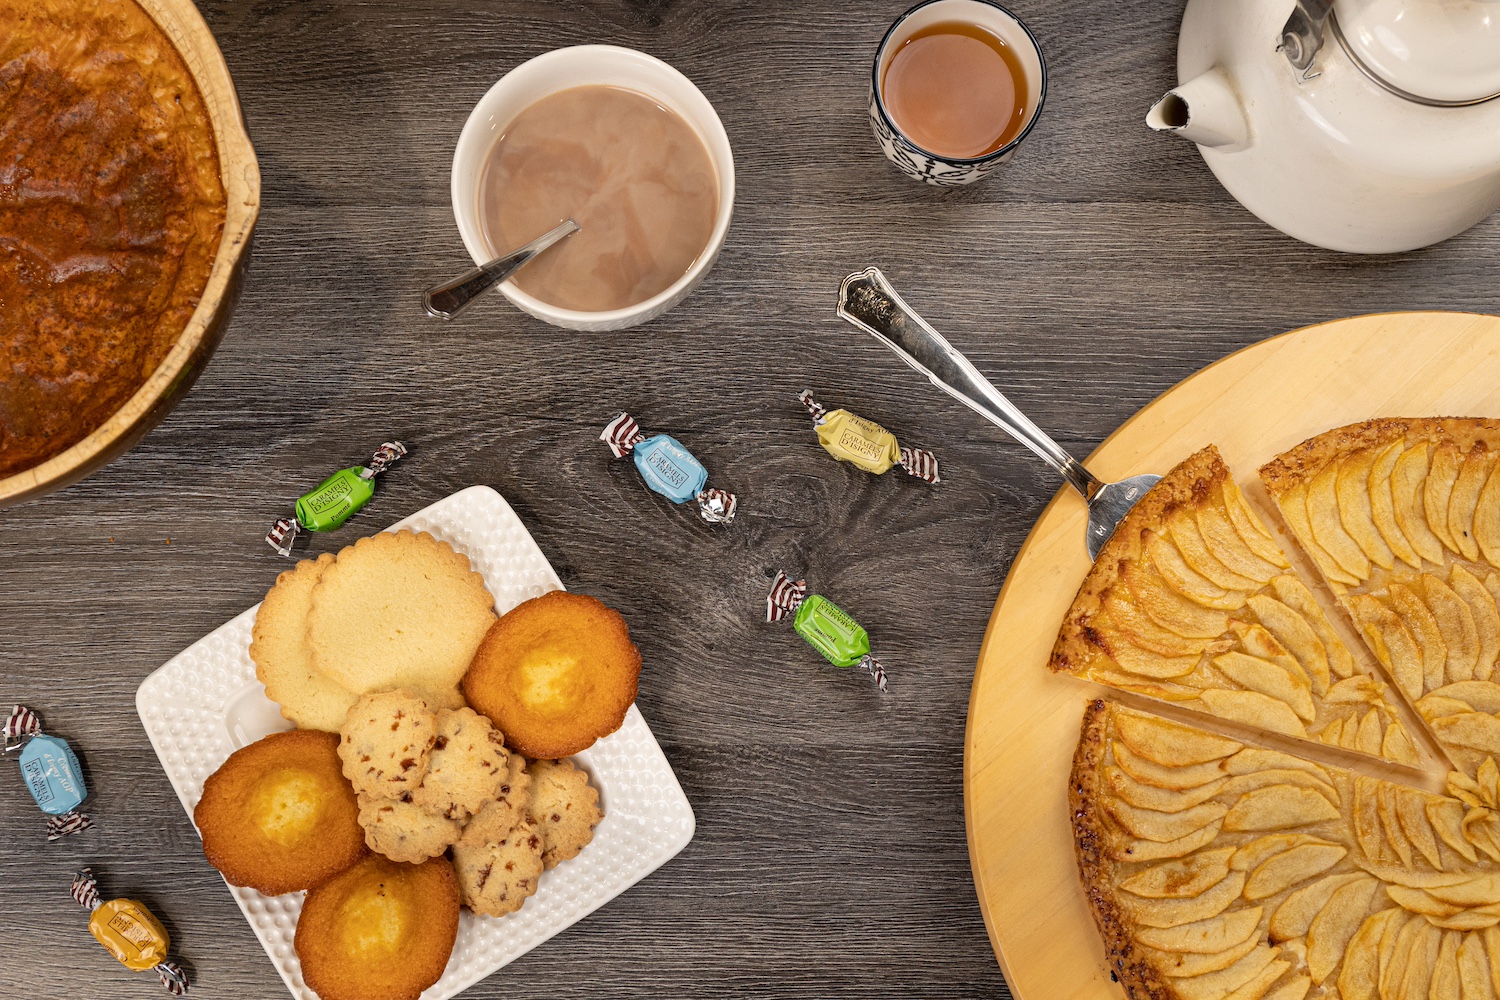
(453, 297)
(867, 300)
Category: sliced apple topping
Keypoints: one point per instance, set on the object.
(1183, 527)
(1168, 608)
(1336, 924)
(1356, 507)
(1327, 524)
(1252, 531)
(1167, 557)
(1294, 594)
(1437, 491)
(1456, 625)
(1408, 478)
(1382, 505)
(1294, 509)
(1487, 518)
(1486, 619)
(1204, 937)
(1473, 473)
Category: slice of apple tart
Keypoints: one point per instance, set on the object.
(1217, 870)
(1192, 602)
(1402, 518)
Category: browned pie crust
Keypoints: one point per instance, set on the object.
(111, 210)
(1190, 484)
(1297, 466)
(1096, 868)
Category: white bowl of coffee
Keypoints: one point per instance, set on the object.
(622, 143)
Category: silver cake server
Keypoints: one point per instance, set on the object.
(867, 300)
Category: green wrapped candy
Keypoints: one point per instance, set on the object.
(830, 630)
(827, 627)
(334, 500)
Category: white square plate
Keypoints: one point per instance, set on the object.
(205, 703)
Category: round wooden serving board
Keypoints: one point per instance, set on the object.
(1023, 720)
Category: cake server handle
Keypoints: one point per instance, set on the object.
(867, 300)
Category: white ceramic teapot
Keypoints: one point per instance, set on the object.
(1370, 126)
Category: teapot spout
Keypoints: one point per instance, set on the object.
(1206, 110)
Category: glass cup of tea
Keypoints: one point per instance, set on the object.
(957, 85)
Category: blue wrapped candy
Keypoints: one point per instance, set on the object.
(51, 771)
(669, 468)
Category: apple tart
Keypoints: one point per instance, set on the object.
(1192, 602)
(1218, 870)
(1402, 519)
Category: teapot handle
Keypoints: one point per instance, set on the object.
(1302, 35)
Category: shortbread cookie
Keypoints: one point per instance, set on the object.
(399, 610)
(502, 814)
(283, 662)
(387, 741)
(496, 879)
(404, 831)
(565, 808)
(467, 766)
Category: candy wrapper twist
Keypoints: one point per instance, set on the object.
(827, 627)
(130, 932)
(669, 468)
(334, 500)
(866, 444)
(51, 771)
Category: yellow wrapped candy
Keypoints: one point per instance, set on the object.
(858, 441)
(866, 444)
(130, 932)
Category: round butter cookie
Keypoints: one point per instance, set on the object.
(501, 815)
(404, 831)
(278, 816)
(399, 610)
(379, 931)
(467, 766)
(565, 808)
(555, 673)
(283, 662)
(386, 743)
(496, 879)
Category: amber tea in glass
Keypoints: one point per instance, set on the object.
(956, 90)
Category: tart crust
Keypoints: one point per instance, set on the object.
(1096, 869)
(1297, 466)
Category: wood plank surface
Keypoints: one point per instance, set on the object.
(1103, 265)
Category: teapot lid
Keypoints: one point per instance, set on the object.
(1440, 51)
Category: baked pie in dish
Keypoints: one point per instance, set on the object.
(127, 198)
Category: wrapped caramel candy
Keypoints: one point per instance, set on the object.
(334, 500)
(130, 932)
(669, 469)
(825, 626)
(51, 772)
(866, 444)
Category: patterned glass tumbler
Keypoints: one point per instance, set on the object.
(929, 17)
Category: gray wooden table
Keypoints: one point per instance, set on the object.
(1102, 266)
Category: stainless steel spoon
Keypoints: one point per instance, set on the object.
(452, 297)
(867, 300)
